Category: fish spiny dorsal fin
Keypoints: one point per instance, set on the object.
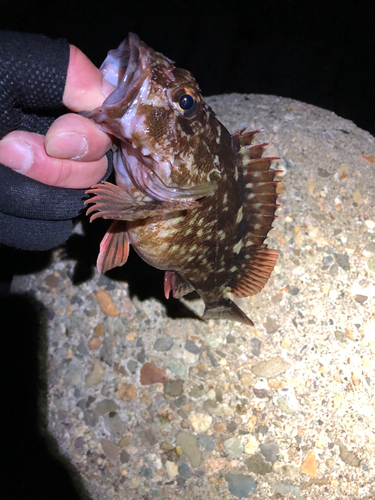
(244, 139)
(254, 262)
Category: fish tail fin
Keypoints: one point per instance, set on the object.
(226, 309)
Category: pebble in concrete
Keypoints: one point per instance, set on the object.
(233, 447)
(200, 421)
(269, 451)
(271, 368)
(163, 344)
(184, 470)
(189, 445)
(177, 367)
(256, 464)
(240, 485)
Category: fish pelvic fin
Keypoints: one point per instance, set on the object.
(226, 309)
(177, 284)
(114, 248)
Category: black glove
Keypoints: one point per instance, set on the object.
(33, 69)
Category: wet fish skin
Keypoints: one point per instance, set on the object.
(190, 198)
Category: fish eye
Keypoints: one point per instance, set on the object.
(185, 102)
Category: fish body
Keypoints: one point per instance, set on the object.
(191, 198)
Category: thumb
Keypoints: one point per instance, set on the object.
(85, 87)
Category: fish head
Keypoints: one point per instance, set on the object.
(161, 120)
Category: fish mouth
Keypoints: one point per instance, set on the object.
(133, 67)
(126, 67)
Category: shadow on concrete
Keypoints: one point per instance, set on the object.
(32, 466)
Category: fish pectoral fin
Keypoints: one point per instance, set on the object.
(114, 248)
(177, 284)
(110, 201)
(226, 309)
(113, 202)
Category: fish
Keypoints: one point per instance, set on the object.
(189, 197)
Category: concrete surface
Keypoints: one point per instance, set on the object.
(282, 410)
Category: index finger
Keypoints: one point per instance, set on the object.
(85, 88)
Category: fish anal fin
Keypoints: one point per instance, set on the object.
(251, 278)
(113, 202)
(177, 284)
(226, 309)
(114, 247)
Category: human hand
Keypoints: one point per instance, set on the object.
(39, 73)
(72, 153)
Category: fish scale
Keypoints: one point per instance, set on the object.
(191, 198)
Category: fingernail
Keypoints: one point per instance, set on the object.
(16, 154)
(67, 145)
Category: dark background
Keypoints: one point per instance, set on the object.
(320, 52)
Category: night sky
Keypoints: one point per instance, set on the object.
(314, 51)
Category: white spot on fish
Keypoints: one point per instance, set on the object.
(239, 215)
(237, 247)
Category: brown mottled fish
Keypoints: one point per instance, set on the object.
(191, 198)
